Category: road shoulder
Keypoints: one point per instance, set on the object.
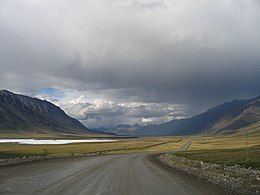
(234, 178)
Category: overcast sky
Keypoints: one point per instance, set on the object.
(108, 62)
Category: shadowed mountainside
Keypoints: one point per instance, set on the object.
(19, 113)
(225, 118)
(121, 129)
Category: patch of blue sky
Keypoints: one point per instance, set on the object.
(53, 92)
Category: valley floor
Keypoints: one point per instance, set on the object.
(127, 164)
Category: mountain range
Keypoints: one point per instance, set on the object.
(19, 113)
(122, 129)
(226, 118)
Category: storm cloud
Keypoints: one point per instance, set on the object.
(131, 60)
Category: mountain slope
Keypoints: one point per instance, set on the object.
(227, 117)
(25, 114)
(241, 117)
(122, 129)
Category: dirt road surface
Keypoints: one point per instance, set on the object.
(108, 174)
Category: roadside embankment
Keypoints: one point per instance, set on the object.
(235, 178)
(15, 161)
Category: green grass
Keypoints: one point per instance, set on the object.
(226, 149)
(226, 156)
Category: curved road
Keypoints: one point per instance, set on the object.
(109, 174)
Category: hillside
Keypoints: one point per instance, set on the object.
(241, 117)
(225, 118)
(122, 129)
(19, 113)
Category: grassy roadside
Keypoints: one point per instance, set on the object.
(225, 149)
(225, 156)
(13, 150)
(216, 158)
(221, 149)
(230, 141)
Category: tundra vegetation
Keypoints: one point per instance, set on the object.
(227, 149)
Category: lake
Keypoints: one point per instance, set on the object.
(52, 141)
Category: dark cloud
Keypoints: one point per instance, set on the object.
(197, 54)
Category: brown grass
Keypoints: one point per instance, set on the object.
(121, 146)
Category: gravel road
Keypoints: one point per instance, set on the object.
(108, 174)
